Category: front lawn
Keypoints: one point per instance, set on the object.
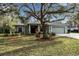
(27, 45)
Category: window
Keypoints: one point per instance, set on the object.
(20, 29)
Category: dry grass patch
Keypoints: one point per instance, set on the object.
(27, 45)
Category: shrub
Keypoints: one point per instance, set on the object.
(39, 35)
(52, 34)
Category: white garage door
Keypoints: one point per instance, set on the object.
(58, 30)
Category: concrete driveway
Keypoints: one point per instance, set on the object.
(71, 35)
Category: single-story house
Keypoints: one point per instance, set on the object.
(29, 28)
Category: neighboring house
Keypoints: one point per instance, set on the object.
(73, 27)
(29, 28)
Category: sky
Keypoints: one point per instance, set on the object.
(37, 7)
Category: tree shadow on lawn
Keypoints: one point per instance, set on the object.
(27, 49)
(16, 41)
(21, 41)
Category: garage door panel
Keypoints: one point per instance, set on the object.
(58, 30)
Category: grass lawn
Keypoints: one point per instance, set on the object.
(25, 46)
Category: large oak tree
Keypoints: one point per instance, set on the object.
(43, 11)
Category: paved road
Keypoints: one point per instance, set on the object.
(71, 35)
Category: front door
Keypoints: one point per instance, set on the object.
(20, 30)
(33, 28)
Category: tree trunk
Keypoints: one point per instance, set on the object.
(44, 31)
(10, 32)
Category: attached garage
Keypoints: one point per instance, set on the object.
(58, 28)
